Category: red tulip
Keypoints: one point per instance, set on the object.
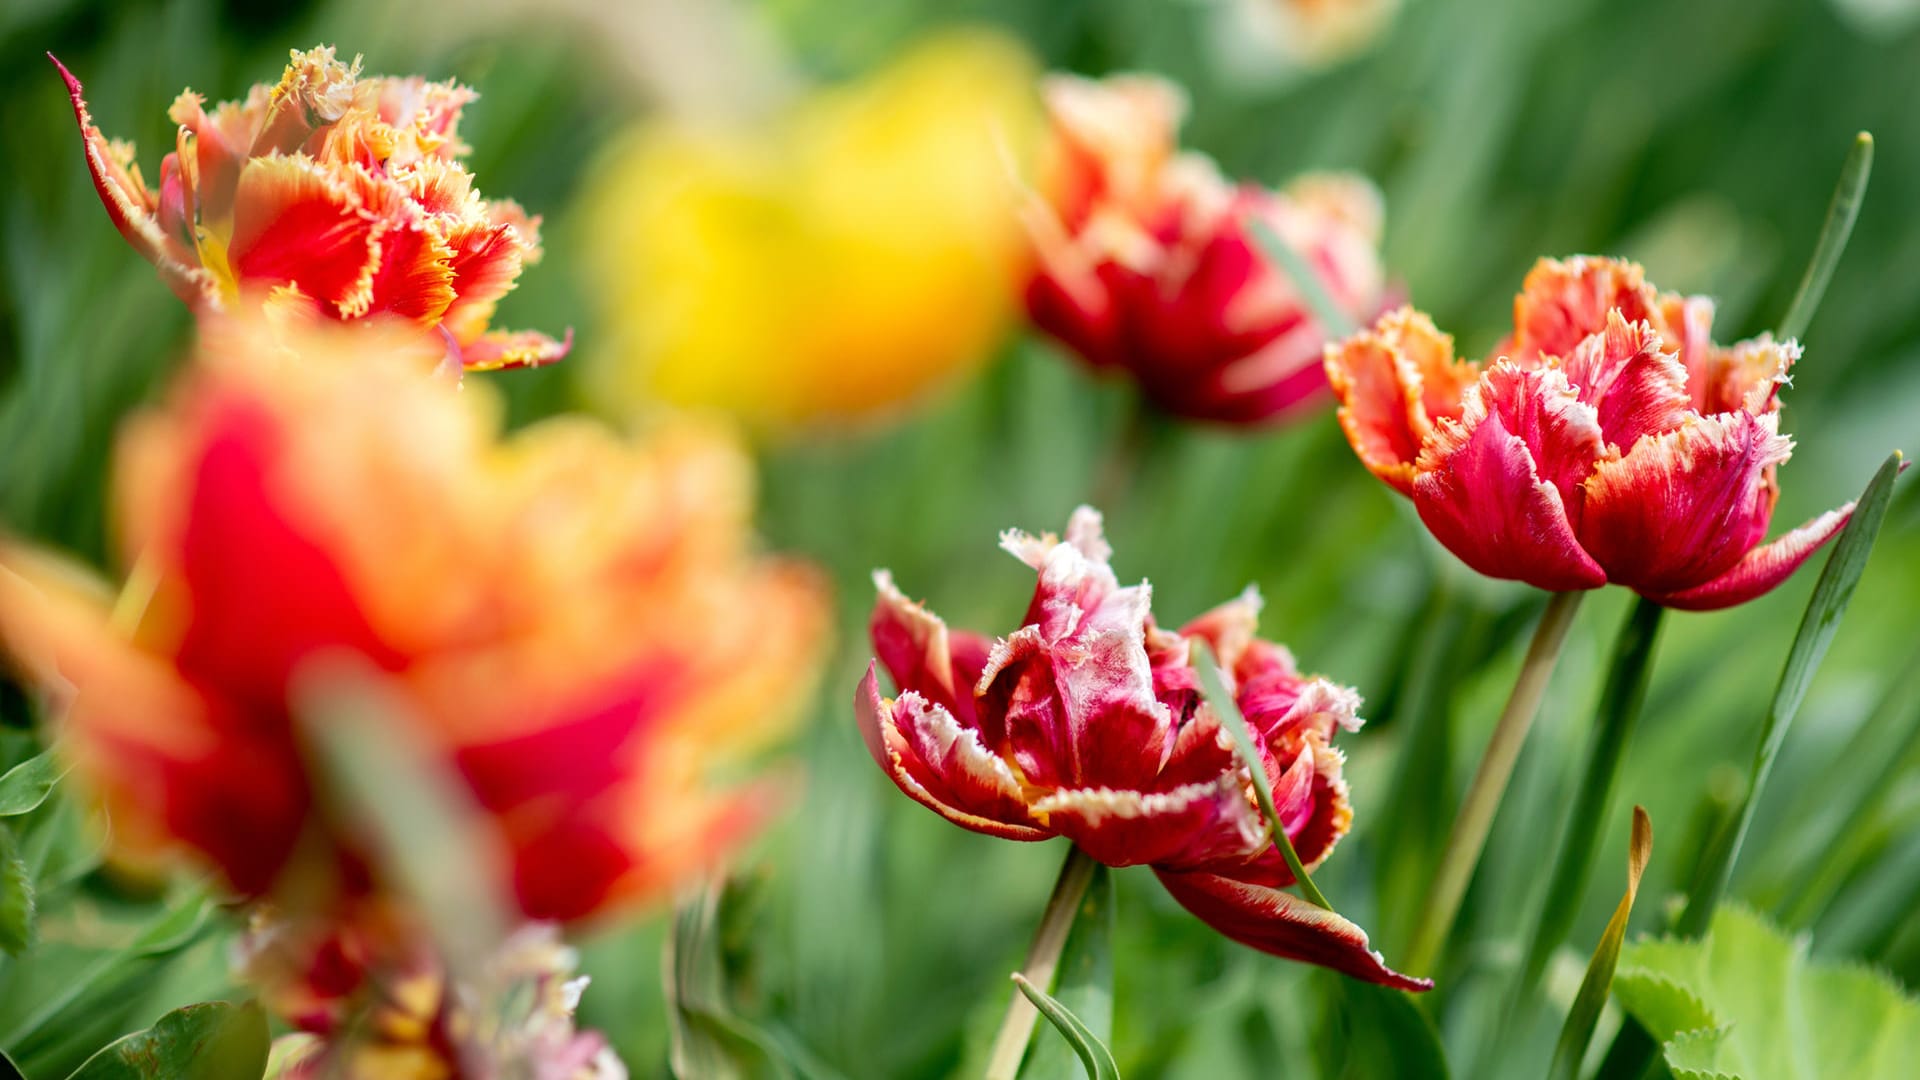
(1087, 722)
(1146, 262)
(331, 192)
(1608, 440)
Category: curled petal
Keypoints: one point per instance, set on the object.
(1189, 825)
(1486, 496)
(942, 765)
(499, 350)
(1635, 387)
(1564, 300)
(1682, 508)
(1392, 383)
(1282, 924)
(1762, 568)
(921, 653)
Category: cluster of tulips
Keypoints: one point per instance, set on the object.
(571, 629)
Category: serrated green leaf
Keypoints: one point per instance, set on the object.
(16, 896)
(1094, 1054)
(26, 785)
(213, 1040)
(1083, 982)
(1746, 1001)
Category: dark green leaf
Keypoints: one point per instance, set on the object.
(1388, 1036)
(209, 1041)
(1093, 1053)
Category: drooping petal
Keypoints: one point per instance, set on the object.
(1684, 507)
(1635, 386)
(1761, 569)
(1392, 383)
(295, 223)
(1563, 301)
(1284, 925)
(1186, 826)
(942, 765)
(1486, 496)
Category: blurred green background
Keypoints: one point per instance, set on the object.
(1702, 138)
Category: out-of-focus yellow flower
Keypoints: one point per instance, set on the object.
(841, 259)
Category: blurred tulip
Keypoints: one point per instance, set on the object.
(1088, 723)
(574, 625)
(1607, 440)
(1258, 40)
(514, 1019)
(835, 264)
(331, 192)
(1147, 263)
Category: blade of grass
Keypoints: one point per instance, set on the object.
(1585, 1012)
(1093, 1053)
(1841, 212)
(1336, 323)
(1214, 685)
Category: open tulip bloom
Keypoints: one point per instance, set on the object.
(1087, 722)
(332, 192)
(1607, 441)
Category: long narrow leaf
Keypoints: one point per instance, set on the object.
(1214, 685)
(1083, 980)
(1817, 627)
(1093, 1053)
(1841, 212)
(1585, 1013)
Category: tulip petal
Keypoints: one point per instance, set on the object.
(1189, 825)
(501, 350)
(922, 654)
(1284, 925)
(1561, 302)
(1493, 486)
(1762, 568)
(942, 765)
(1392, 383)
(1636, 388)
(1745, 376)
(295, 223)
(1683, 507)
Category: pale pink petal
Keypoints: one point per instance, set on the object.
(1284, 925)
(1762, 568)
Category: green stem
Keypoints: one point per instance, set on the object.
(1016, 1029)
(1489, 784)
(1621, 698)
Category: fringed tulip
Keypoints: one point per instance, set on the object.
(1608, 440)
(836, 262)
(574, 626)
(1087, 722)
(332, 192)
(1147, 263)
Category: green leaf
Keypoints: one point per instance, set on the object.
(25, 786)
(209, 1041)
(1817, 627)
(1585, 1012)
(1214, 685)
(1093, 1053)
(1745, 1001)
(16, 896)
(1083, 981)
(1388, 1035)
(1841, 212)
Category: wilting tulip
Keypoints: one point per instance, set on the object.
(1147, 263)
(837, 262)
(511, 1018)
(331, 192)
(1608, 440)
(1088, 723)
(572, 625)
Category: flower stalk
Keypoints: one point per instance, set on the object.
(1043, 955)
(1489, 784)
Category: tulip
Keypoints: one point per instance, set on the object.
(573, 625)
(1146, 263)
(837, 262)
(1607, 440)
(1087, 722)
(328, 192)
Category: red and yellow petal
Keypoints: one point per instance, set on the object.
(1683, 507)
(501, 350)
(1487, 497)
(1392, 383)
(1564, 300)
(297, 223)
(1284, 925)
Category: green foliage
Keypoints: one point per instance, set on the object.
(1592, 997)
(26, 785)
(1745, 1001)
(1082, 982)
(209, 1041)
(1093, 1053)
